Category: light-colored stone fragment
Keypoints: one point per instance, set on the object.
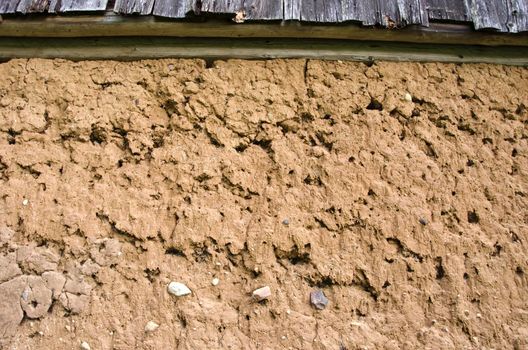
(262, 293)
(151, 326)
(178, 289)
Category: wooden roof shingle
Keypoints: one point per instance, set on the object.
(499, 15)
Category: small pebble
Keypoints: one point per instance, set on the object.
(215, 281)
(85, 346)
(262, 293)
(423, 221)
(318, 299)
(408, 97)
(286, 222)
(288, 312)
(178, 289)
(171, 67)
(68, 328)
(479, 316)
(25, 202)
(466, 312)
(151, 326)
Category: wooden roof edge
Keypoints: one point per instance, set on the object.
(210, 49)
(110, 25)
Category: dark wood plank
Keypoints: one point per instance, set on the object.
(173, 8)
(292, 10)
(8, 6)
(142, 7)
(450, 10)
(218, 48)
(264, 9)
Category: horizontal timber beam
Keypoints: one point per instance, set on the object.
(112, 25)
(134, 48)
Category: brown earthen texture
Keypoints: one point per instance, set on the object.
(409, 212)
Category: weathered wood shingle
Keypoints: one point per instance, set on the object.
(292, 10)
(325, 11)
(264, 9)
(358, 11)
(129, 7)
(173, 8)
(452, 10)
(499, 15)
(518, 16)
(77, 5)
(31, 6)
(221, 6)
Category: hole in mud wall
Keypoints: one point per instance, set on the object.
(440, 271)
(209, 62)
(473, 217)
(175, 251)
(375, 105)
(97, 135)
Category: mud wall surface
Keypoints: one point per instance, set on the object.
(398, 189)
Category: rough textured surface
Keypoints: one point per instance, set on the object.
(410, 216)
(504, 16)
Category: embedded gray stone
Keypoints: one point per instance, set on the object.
(318, 299)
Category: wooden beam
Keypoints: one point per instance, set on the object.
(115, 25)
(126, 48)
